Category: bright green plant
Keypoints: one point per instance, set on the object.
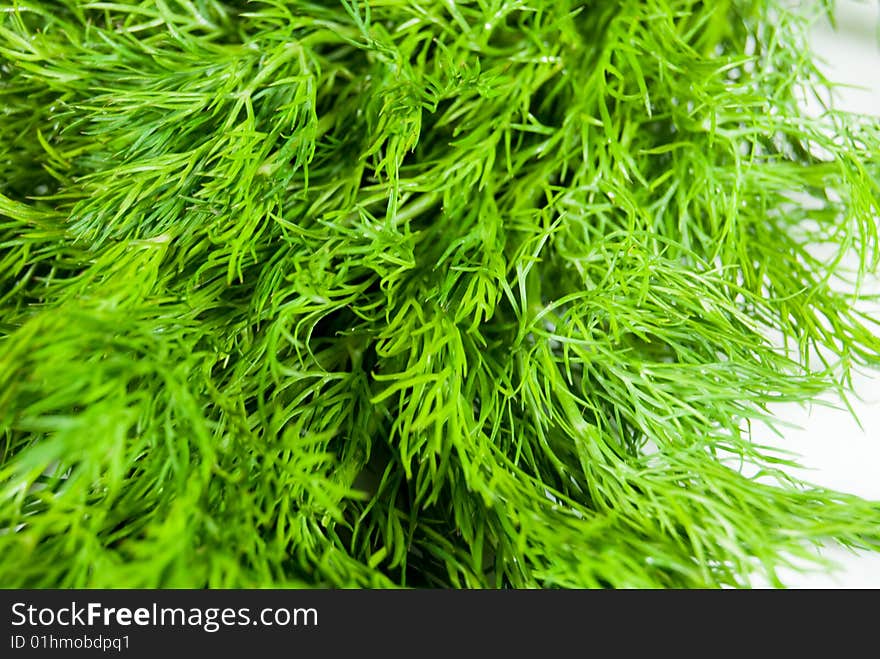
(478, 293)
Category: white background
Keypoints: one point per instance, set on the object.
(836, 451)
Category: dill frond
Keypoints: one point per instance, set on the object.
(481, 293)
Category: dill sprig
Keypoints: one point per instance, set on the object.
(482, 293)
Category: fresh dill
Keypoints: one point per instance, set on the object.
(481, 293)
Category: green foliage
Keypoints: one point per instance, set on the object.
(478, 293)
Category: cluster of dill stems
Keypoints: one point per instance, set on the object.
(459, 293)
